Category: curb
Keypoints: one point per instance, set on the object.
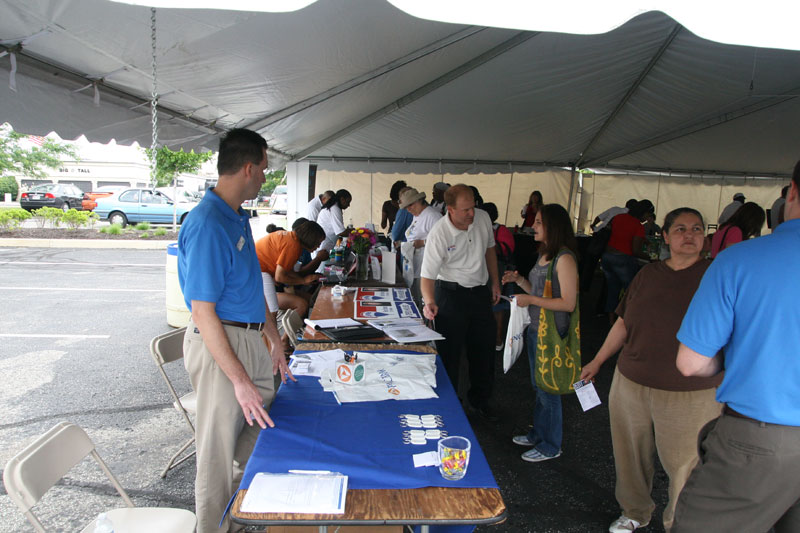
(84, 243)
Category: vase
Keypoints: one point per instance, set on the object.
(362, 267)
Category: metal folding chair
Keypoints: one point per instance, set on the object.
(167, 348)
(31, 473)
(293, 325)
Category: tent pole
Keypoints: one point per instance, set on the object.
(570, 201)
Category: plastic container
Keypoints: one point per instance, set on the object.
(177, 312)
(103, 524)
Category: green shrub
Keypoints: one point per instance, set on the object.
(8, 184)
(160, 231)
(113, 229)
(142, 226)
(12, 217)
(75, 219)
(144, 235)
(45, 216)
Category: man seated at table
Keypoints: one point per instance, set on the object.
(278, 252)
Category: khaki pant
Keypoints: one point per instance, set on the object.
(644, 421)
(746, 479)
(223, 440)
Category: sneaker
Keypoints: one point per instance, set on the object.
(522, 440)
(623, 524)
(499, 347)
(534, 456)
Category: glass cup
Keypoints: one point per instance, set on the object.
(453, 457)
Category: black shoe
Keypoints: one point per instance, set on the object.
(484, 411)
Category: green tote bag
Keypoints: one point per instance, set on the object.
(558, 361)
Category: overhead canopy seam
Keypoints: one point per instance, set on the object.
(633, 88)
(714, 119)
(359, 80)
(416, 94)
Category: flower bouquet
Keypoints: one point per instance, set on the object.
(361, 240)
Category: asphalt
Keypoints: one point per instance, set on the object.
(573, 493)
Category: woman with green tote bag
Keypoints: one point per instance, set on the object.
(556, 272)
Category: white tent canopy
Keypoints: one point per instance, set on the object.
(363, 80)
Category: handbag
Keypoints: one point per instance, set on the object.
(558, 360)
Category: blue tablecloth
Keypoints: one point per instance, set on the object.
(363, 440)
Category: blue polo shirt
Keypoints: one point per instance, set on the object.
(217, 261)
(402, 220)
(748, 304)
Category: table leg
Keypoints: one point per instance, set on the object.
(424, 528)
(323, 529)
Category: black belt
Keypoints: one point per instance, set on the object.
(244, 325)
(453, 286)
(736, 414)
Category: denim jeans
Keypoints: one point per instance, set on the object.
(547, 417)
(619, 270)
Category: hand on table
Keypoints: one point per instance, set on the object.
(252, 404)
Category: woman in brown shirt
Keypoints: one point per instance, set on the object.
(652, 407)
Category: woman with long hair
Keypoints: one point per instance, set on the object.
(745, 223)
(529, 210)
(391, 206)
(653, 408)
(553, 230)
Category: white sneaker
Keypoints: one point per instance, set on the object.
(623, 524)
(522, 440)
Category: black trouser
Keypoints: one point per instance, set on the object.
(465, 319)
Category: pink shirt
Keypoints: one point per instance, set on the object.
(732, 235)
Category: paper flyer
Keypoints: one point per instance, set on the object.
(369, 310)
(368, 294)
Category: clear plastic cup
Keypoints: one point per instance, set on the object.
(454, 457)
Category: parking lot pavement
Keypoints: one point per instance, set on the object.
(74, 345)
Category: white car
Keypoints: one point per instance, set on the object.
(279, 201)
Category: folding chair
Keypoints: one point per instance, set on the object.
(31, 473)
(293, 325)
(167, 348)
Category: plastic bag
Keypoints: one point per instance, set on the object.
(517, 322)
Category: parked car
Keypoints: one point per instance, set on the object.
(279, 201)
(140, 205)
(60, 195)
(184, 195)
(90, 198)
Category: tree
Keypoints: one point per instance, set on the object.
(32, 162)
(274, 179)
(169, 164)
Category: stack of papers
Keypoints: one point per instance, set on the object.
(296, 492)
(405, 330)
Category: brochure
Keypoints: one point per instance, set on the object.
(367, 294)
(299, 491)
(369, 310)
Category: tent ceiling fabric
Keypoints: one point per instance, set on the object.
(362, 79)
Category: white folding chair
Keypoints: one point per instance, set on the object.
(31, 473)
(293, 325)
(167, 348)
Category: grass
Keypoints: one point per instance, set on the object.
(142, 226)
(113, 229)
(160, 231)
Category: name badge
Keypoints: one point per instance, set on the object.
(240, 244)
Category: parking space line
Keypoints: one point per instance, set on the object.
(53, 336)
(94, 289)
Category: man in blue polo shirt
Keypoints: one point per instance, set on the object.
(228, 363)
(748, 306)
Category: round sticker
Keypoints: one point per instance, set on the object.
(344, 373)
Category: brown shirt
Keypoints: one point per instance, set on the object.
(653, 309)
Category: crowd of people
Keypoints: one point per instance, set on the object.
(705, 347)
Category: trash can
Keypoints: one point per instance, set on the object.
(177, 312)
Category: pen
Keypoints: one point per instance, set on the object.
(336, 396)
(310, 472)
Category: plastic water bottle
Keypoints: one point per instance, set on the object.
(103, 524)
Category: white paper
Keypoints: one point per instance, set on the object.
(332, 323)
(416, 333)
(389, 323)
(426, 459)
(388, 267)
(296, 493)
(587, 395)
(317, 361)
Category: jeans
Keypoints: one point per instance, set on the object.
(547, 417)
(619, 270)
